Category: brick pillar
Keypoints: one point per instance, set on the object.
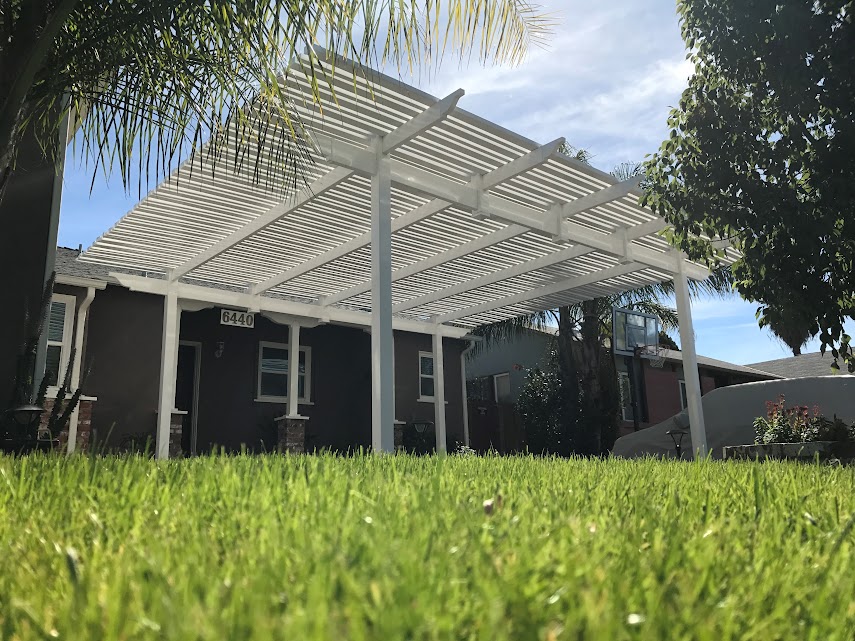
(84, 424)
(291, 434)
(176, 425)
(399, 436)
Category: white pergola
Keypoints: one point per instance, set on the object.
(416, 216)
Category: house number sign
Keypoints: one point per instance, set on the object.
(237, 319)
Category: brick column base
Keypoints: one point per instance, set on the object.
(84, 424)
(176, 429)
(291, 434)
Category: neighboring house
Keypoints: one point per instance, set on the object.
(499, 374)
(664, 389)
(232, 380)
(801, 366)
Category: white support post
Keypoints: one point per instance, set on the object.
(465, 392)
(168, 372)
(439, 394)
(690, 361)
(382, 340)
(293, 370)
(79, 334)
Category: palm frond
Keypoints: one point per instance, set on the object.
(153, 81)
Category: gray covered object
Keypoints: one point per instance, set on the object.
(729, 413)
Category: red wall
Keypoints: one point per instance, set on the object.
(663, 391)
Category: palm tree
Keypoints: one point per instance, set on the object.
(589, 381)
(157, 78)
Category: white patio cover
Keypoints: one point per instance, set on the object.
(462, 253)
(485, 224)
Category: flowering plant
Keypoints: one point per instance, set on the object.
(798, 424)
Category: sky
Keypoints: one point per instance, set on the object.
(606, 82)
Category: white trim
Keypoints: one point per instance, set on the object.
(67, 342)
(197, 374)
(506, 375)
(307, 384)
(422, 398)
(79, 281)
(312, 313)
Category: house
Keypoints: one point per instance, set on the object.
(232, 375)
(336, 312)
(801, 366)
(499, 373)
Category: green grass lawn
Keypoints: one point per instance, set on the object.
(398, 547)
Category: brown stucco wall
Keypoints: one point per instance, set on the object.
(407, 407)
(340, 409)
(123, 357)
(123, 353)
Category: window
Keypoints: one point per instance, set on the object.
(273, 372)
(625, 396)
(60, 323)
(684, 402)
(426, 376)
(502, 387)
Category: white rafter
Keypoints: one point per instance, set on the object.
(275, 213)
(477, 210)
(473, 198)
(434, 114)
(539, 292)
(505, 172)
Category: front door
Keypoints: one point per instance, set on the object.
(186, 393)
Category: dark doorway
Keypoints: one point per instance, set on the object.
(187, 393)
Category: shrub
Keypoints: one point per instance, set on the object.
(798, 424)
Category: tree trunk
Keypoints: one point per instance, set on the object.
(588, 354)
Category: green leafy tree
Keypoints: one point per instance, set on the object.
(760, 156)
(148, 80)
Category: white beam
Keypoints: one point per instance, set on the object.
(538, 292)
(601, 197)
(293, 370)
(439, 394)
(494, 277)
(487, 240)
(490, 179)
(626, 235)
(311, 313)
(471, 198)
(382, 341)
(272, 215)
(431, 116)
(363, 240)
(532, 159)
(690, 363)
(168, 372)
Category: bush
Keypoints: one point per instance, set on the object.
(798, 424)
(539, 406)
